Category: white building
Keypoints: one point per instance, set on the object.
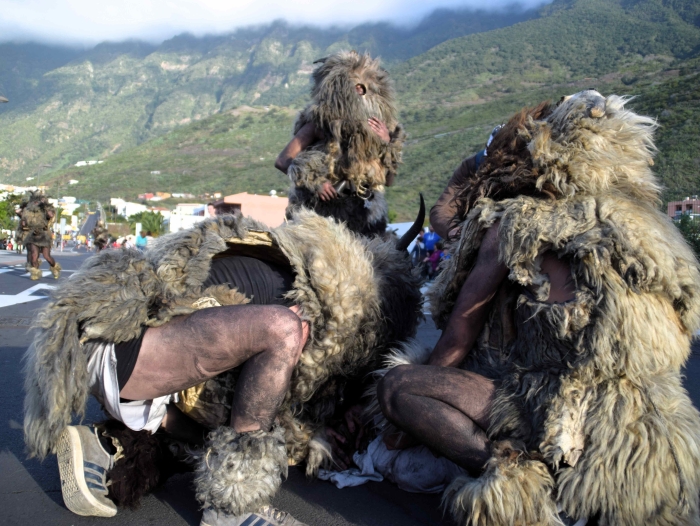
(126, 208)
(187, 215)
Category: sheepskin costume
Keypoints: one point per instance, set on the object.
(359, 296)
(590, 413)
(350, 150)
(100, 235)
(35, 225)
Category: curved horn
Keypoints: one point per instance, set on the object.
(415, 228)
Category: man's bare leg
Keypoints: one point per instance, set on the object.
(46, 252)
(445, 408)
(191, 349)
(33, 255)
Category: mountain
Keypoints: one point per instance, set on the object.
(450, 96)
(69, 105)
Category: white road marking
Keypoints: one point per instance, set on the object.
(7, 300)
(44, 274)
(3, 270)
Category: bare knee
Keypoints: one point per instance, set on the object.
(285, 333)
(390, 389)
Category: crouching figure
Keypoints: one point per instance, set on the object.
(568, 310)
(250, 333)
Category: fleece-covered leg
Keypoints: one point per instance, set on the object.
(239, 473)
(514, 490)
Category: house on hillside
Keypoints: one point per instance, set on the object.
(126, 208)
(165, 212)
(268, 209)
(186, 215)
(688, 206)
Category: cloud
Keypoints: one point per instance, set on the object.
(91, 21)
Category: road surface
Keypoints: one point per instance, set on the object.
(30, 491)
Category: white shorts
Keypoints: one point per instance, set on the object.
(137, 415)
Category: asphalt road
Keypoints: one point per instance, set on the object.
(30, 491)
(89, 224)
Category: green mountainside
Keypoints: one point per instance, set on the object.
(67, 105)
(450, 97)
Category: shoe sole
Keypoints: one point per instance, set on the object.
(76, 495)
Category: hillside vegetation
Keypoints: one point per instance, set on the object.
(67, 106)
(450, 98)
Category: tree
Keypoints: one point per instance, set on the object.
(8, 219)
(690, 228)
(150, 222)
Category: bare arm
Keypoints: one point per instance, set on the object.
(470, 310)
(304, 138)
(443, 212)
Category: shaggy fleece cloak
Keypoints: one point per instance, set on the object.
(591, 413)
(358, 294)
(350, 150)
(35, 225)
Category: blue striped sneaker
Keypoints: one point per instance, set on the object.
(83, 464)
(267, 516)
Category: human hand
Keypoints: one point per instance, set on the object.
(327, 192)
(399, 440)
(347, 437)
(355, 423)
(339, 446)
(379, 128)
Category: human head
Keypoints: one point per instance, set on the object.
(143, 233)
(340, 78)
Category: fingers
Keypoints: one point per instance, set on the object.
(455, 232)
(304, 324)
(350, 421)
(379, 128)
(340, 457)
(327, 192)
(335, 435)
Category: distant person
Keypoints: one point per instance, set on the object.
(141, 240)
(418, 252)
(432, 261)
(100, 235)
(211, 209)
(347, 144)
(430, 239)
(37, 215)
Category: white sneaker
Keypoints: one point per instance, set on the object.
(83, 464)
(267, 516)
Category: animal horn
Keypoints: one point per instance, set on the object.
(415, 228)
(321, 60)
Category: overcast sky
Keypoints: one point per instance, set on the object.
(88, 22)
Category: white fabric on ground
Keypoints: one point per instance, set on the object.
(416, 470)
(137, 415)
